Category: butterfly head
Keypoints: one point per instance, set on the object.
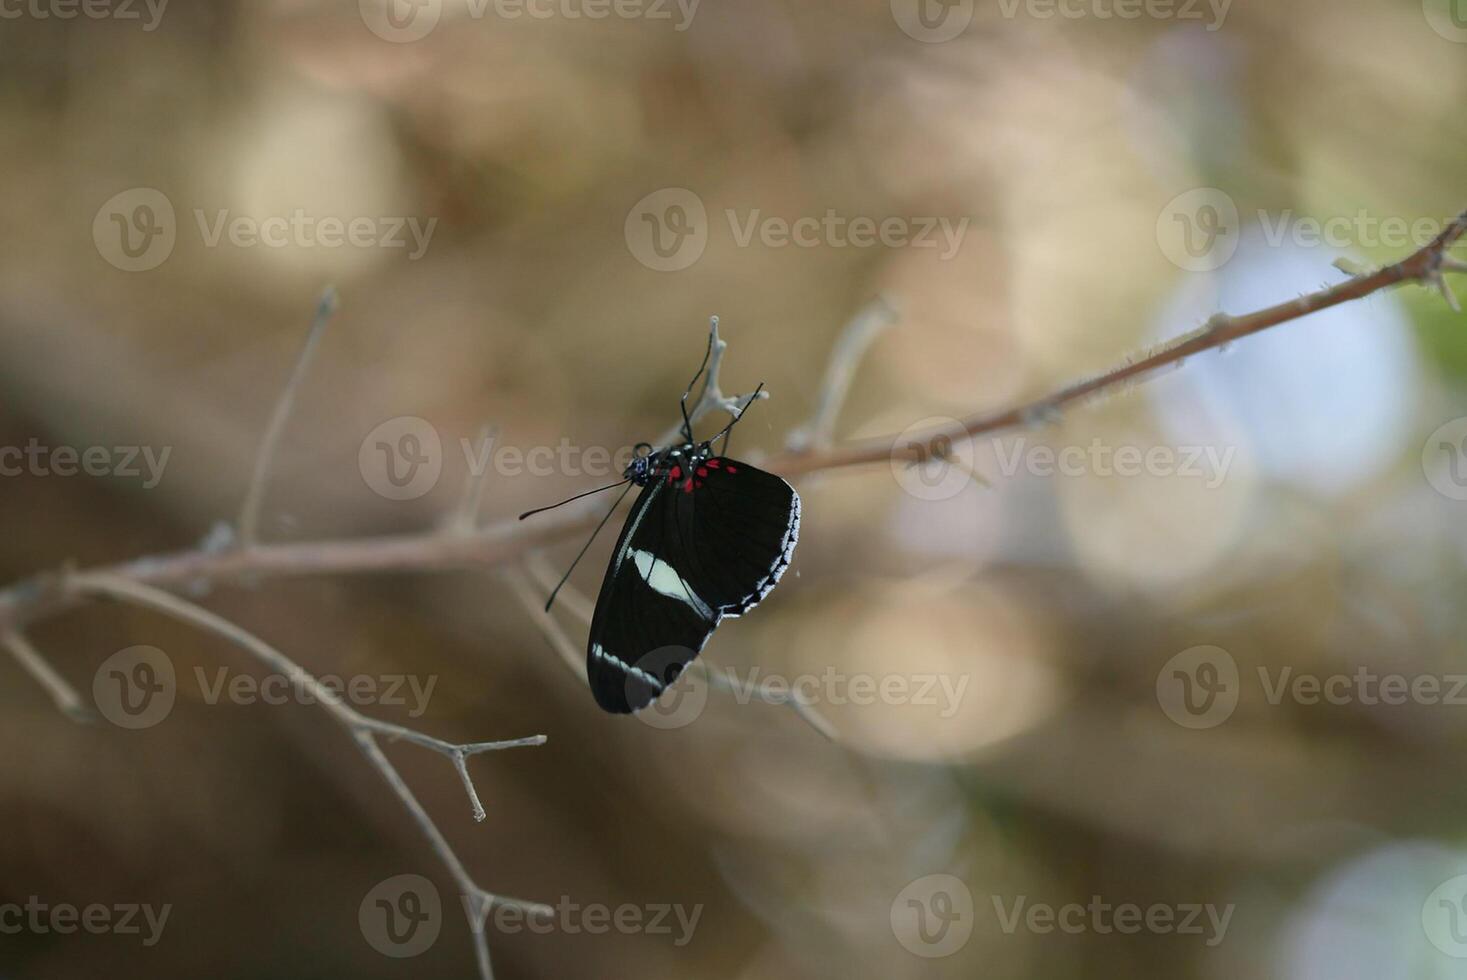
(676, 464)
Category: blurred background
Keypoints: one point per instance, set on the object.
(1098, 670)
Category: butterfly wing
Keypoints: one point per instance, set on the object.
(696, 547)
(645, 629)
(736, 527)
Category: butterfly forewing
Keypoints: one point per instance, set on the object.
(697, 546)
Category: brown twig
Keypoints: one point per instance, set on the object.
(249, 514)
(147, 581)
(1423, 266)
(363, 729)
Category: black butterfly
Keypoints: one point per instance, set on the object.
(707, 538)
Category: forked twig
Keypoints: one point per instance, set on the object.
(364, 731)
(249, 515)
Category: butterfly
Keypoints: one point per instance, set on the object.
(707, 538)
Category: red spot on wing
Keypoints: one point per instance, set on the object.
(688, 486)
(714, 464)
(733, 469)
(702, 471)
(676, 474)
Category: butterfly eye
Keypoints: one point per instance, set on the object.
(642, 450)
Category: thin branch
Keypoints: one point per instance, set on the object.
(570, 597)
(1423, 266)
(465, 517)
(850, 348)
(711, 398)
(364, 731)
(720, 681)
(67, 700)
(249, 515)
(510, 540)
(545, 622)
(534, 566)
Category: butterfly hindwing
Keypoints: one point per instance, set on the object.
(697, 546)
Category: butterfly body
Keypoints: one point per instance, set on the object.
(707, 538)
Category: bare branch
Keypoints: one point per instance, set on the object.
(465, 517)
(570, 597)
(720, 681)
(525, 593)
(711, 398)
(507, 541)
(850, 348)
(1423, 266)
(249, 516)
(41, 671)
(363, 730)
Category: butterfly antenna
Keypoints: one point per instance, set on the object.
(540, 510)
(734, 421)
(587, 546)
(683, 405)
